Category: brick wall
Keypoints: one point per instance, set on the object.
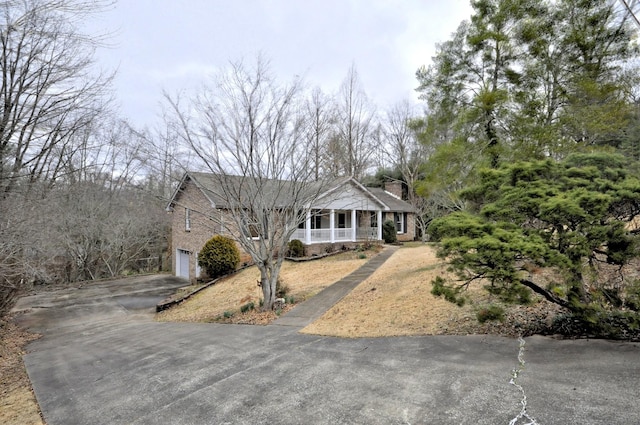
(411, 229)
(394, 187)
(206, 222)
(410, 225)
(201, 229)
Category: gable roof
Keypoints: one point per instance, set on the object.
(392, 201)
(282, 192)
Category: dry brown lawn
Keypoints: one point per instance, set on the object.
(18, 405)
(396, 300)
(303, 280)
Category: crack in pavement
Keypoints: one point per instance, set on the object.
(514, 381)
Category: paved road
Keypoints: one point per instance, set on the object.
(104, 361)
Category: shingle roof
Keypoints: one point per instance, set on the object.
(393, 202)
(225, 191)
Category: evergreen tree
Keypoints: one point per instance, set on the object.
(572, 219)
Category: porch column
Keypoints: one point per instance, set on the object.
(307, 228)
(379, 212)
(353, 225)
(332, 225)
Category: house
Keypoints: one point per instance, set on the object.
(345, 214)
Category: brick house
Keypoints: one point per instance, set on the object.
(346, 214)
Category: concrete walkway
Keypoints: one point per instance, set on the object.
(308, 311)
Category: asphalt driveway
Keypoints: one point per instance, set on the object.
(103, 360)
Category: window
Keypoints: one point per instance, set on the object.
(373, 219)
(250, 229)
(400, 221)
(342, 220)
(316, 221)
(254, 229)
(187, 219)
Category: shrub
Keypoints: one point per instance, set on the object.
(227, 314)
(219, 256)
(281, 289)
(389, 233)
(8, 296)
(633, 296)
(611, 325)
(295, 248)
(491, 312)
(247, 307)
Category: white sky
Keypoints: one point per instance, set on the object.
(177, 45)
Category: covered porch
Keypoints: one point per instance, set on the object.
(335, 225)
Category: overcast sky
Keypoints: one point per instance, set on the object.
(177, 45)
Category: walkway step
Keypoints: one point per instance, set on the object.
(308, 311)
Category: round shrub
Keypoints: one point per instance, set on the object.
(219, 256)
(490, 313)
(389, 233)
(296, 248)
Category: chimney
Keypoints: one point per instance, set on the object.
(394, 187)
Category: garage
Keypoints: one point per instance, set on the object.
(182, 263)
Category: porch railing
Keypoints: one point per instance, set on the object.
(298, 234)
(340, 235)
(367, 233)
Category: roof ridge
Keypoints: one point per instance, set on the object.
(393, 194)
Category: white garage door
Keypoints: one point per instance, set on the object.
(182, 263)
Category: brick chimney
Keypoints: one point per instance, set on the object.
(394, 187)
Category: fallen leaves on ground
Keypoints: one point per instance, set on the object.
(18, 405)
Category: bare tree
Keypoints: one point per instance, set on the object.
(166, 159)
(247, 131)
(408, 156)
(320, 119)
(49, 99)
(23, 256)
(102, 232)
(100, 219)
(47, 91)
(351, 147)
